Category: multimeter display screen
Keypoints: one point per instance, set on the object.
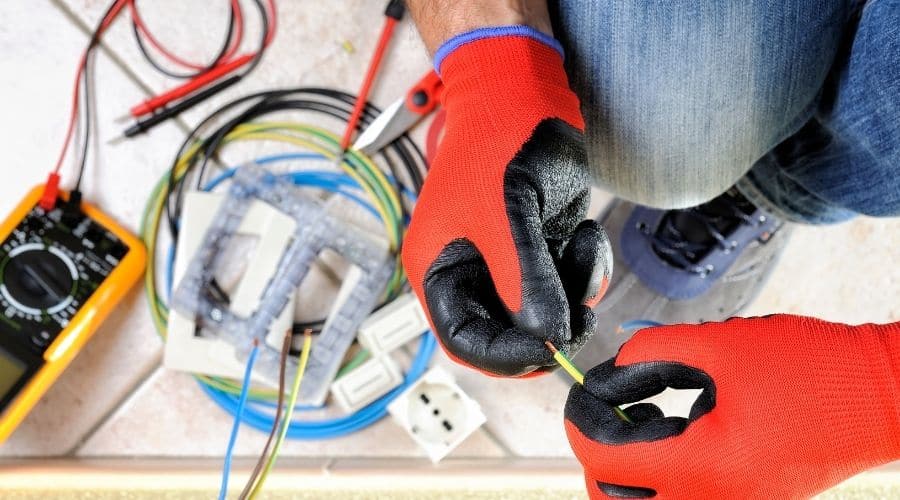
(11, 370)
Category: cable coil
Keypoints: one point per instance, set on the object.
(387, 196)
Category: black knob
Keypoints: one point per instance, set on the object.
(38, 279)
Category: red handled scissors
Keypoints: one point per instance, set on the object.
(400, 116)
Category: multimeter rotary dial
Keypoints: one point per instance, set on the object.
(39, 279)
(50, 265)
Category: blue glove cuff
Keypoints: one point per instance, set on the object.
(490, 32)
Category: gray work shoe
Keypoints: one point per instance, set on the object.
(704, 263)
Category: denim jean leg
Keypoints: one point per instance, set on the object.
(846, 160)
(681, 98)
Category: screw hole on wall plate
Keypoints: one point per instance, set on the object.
(436, 412)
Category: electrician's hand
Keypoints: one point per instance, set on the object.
(790, 406)
(497, 251)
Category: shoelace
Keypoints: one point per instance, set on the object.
(671, 245)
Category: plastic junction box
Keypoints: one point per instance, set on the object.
(437, 413)
(187, 351)
(316, 230)
(366, 383)
(383, 332)
(393, 325)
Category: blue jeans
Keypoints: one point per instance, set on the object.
(796, 102)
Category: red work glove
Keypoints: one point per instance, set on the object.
(790, 406)
(495, 251)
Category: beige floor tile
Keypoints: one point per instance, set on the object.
(848, 272)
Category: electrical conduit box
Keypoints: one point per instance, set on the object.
(393, 325)
(316, 231)
(366, 383)
(187, 349)
(384, 331)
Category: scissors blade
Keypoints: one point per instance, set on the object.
(388, 126)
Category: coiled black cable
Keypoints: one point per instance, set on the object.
(403, 153)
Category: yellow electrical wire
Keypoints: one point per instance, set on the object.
(566, 364)
(569, 367)
(295, 390)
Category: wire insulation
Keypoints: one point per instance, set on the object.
(83, 90)
(569, 367)
(226, 469)
(251, 481)
(295, 391)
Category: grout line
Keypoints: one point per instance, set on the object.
(507, 451)
(130, 393)
(115, 58)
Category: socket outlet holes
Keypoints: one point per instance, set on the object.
(437, 413)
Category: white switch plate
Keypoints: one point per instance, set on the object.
(186, 352)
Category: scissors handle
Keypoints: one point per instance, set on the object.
(425, 95)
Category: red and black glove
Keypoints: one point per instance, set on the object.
(790, 406)
(497, 251)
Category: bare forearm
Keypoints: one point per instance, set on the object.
(439, 20)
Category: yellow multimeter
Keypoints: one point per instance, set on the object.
(61, 272)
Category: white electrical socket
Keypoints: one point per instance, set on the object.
(395, 324)
(366, 383)
(437, 413)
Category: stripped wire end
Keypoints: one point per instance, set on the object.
(566, 364)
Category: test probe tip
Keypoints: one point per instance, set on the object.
(115, 141)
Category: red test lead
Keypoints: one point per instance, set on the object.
(156, 102)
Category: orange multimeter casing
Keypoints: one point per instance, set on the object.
(61, 273)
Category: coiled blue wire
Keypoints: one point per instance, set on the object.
(251, 415)
(637, 324)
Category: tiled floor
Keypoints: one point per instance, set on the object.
(115, 400)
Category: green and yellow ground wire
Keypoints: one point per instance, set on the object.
(569, 367)
(355, 164)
